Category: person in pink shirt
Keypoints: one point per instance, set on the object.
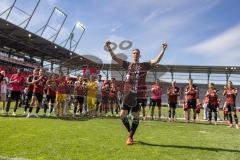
(156, 93)
(16, 85)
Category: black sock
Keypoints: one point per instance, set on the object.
(112, 110)
(210, 115)
(8, 104)
(215, 116)
(230, 118)
(126, 123)
(144, 112)
(30, 109)
(236, 118)
(135, 124)
(159, 112)
(152, 111)
(75, 109)
(81, 108)
(37, 110)
(169, 113)
(194, 115)
(15, 107)
(174, 112)
(51, 108)
(45, 108)
(26, 106)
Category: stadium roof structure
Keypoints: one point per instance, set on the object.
(185, 69)
(22, 40)
(227, 71)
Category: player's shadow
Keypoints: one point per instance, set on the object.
(188, 147)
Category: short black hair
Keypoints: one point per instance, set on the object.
(136, 49)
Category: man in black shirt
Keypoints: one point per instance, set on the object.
(134, 84)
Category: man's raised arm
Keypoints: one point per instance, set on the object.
(159, 57)
(113, 55)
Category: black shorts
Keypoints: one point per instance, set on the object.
(15, 95)
(112, 100)
(29, 96)
(105, 99)
(192, 104)
(137, 108)
(39, 97)
(231, 108)
(212, 108)
(133, 109)
(156, 102)
(79, 99)
(172, 104)
(51, 98)
(142, 102)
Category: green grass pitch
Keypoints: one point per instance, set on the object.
(104, 138)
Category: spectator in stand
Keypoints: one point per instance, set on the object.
(16, 85)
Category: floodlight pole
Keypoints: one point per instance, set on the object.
(11, 9)
(70, 36)
(30, 18)
(79, 39)
(45, 26)
(71, 39)
(61, 25)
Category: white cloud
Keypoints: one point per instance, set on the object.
(52, 2)
(114, 29)
(225, 43)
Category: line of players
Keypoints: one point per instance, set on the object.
(57, 93)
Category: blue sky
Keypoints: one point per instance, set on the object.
(199, 32)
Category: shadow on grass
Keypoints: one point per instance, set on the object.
(188, 147)
(65, 118)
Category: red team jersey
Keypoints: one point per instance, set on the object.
(156, 92)
(51, 87)
(212, 96)
(79, 89)
(30, 86)
(173, 94)
(40, 85)
(193, 92)
(18, 85)
(136, 77)
(62, 86)
(113, 91)
(230, 96)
